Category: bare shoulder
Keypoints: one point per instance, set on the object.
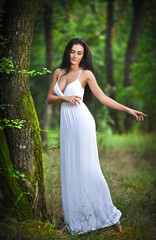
(88, 74)
(57, 72)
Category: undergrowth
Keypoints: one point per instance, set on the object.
(128, 163)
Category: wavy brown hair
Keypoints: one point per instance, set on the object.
(86, 63)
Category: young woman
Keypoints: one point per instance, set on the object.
(86, 200)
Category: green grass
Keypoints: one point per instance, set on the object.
(129, 166)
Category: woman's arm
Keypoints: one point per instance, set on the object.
(52, 98)
(109, 102)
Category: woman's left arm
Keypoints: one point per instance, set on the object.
(109, 102)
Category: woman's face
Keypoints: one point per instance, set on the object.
(76, 54)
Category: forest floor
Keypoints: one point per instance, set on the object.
(129, 166)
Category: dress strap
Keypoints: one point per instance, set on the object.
(79, 74)
(60, 75)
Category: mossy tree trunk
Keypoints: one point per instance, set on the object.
(20, 149)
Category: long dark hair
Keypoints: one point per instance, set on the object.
(86, 63)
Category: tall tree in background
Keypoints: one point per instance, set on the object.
(48, 28)
(130, 53)
(49, 25)
(66, 7)
(20, 149)
(109, 58)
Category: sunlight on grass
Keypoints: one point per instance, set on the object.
(131, 140)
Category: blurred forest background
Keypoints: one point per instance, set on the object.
(121, 35)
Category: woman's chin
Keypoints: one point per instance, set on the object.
(74, 63)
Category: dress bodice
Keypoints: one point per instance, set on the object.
(73, 88)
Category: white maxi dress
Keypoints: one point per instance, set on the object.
(86, 200)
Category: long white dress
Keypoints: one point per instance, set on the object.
(86, 200)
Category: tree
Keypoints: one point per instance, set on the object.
(130, 53)
(21, 177)
(48, 27)
(109, 58)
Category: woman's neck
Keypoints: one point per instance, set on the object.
(74, 68)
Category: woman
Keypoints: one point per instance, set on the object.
(86, 199)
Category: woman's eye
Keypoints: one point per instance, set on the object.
(72, 52)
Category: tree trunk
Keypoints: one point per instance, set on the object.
(67, 8)
(47, 109)
(20, 148)
(109, 58)
(130, 54)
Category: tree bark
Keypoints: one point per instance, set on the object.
(109, 58)
(47, 109)
(130, 54)
(20, 148)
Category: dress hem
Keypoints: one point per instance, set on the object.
(94, 229)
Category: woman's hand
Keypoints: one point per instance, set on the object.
(72, 99)
(138, 115)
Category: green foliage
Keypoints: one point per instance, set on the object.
(16, 123)
(11, 123)
(138, 142)
(34, 73)
(54, 139)
(6, 65)
(88, 19)
(2, 106)
(144, 73)
(129, 168)
(3, 40)
(14, 173)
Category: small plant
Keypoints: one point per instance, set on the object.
(6, 65)
(16, 123)
(2, 106)
(14, 173)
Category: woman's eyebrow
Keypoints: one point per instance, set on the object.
(75, 51)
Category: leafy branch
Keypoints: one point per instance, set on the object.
(16, 123)
(7, 66)
(33, 73)
(11, 123)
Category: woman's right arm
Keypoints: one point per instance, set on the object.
(52, 98)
